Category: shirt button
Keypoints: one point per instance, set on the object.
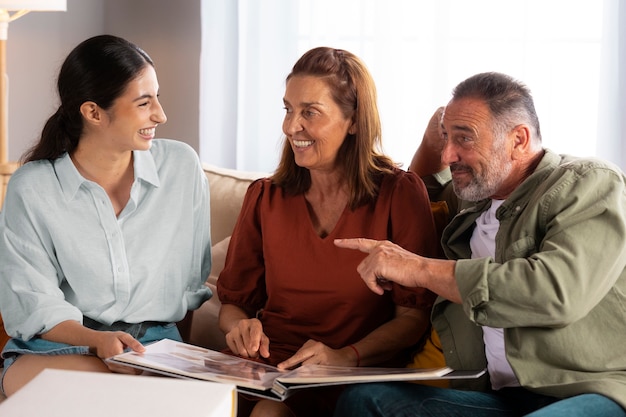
(120, 269)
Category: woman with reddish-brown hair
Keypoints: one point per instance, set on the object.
(289, 295)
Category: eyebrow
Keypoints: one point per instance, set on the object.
(144, 96)
(462, 128)
(306, 103)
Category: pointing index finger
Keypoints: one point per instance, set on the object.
(362, 244)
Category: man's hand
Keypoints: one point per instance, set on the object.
(427, 157)
(387, 262)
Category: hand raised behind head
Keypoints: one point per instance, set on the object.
(427, 157)
(433, 135)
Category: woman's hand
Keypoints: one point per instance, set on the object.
(317, 353)
(109, 344)
(101, 343)
(247, 339)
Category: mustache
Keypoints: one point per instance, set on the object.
(454, 167)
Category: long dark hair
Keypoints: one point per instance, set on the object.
(360, 155)
(98, 70)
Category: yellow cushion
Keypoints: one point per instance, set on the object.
(440, 215)
(431, 356)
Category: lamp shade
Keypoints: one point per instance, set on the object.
(34, 5)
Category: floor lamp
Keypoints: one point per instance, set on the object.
(9, 11)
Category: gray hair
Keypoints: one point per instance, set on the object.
(509, 100)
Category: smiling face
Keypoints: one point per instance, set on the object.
(479, 160)
(134, 116)
(314, 124)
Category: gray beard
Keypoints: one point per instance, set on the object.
(485, 185)
(472, 191)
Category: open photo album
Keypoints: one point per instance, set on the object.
(182, 360)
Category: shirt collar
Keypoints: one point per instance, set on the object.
(71, 180)
(69, 177)
(145, 168)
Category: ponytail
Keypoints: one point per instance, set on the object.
(59, 135)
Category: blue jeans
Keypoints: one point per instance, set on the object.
(146, 333)
(404, 400)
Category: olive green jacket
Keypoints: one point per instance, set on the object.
(557, 285)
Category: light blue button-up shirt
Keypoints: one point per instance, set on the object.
(64, 253)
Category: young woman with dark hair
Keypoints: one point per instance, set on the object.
(104, 233)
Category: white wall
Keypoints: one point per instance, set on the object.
(170, 32)
(39, 42)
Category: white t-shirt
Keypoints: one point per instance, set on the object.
(483, 244)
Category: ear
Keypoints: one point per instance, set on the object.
(352, 129)
(91, 112)
(521, 140)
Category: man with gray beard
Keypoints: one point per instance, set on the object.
(534, 288)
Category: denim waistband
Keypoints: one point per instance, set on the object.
(137, 330)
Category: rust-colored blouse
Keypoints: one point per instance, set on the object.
(305, 286)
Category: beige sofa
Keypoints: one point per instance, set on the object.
(227, 188)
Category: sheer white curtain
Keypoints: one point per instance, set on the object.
(565, 50)
(248, 48)
(611, 143)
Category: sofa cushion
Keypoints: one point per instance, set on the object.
(227, 188)
(205, 330)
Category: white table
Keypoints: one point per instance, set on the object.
(57, 393)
